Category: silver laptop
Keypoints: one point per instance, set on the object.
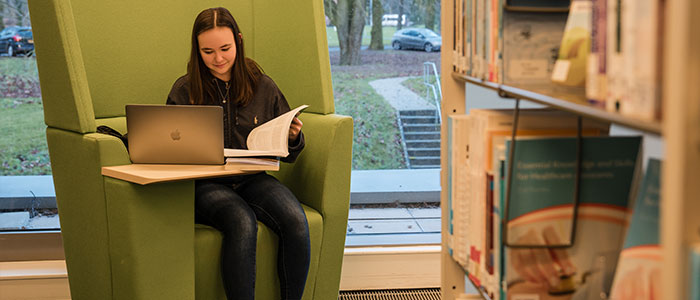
(175, 134)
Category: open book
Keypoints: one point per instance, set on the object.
(269, 139)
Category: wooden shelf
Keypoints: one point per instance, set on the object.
(571, 103)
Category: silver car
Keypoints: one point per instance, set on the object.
(416, 38)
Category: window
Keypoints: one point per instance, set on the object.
(27, 198)
(393, 96)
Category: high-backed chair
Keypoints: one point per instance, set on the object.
(127, 241)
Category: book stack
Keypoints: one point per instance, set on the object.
(476, 175)
(593, 251)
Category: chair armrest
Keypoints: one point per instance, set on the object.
(320, 178)
(121, 240)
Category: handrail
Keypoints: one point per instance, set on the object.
(437, 91)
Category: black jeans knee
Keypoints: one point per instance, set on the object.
(233, 205)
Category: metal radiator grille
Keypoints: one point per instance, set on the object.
(413, 294)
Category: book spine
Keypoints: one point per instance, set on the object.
(499, 52)
(595, 77)
(475, 38)
(458, 152)
(463, 32)
(455, 36)
(642, 95)
(694, 261)
(615, 50)
(468, 32)
(480, 19)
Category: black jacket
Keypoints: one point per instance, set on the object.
(268, 102)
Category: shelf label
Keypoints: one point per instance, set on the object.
(561, 70)
(527, 69)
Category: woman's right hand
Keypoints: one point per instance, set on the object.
(295, 129)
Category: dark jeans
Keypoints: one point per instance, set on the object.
(232, 205)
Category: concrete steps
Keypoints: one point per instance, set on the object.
(420, 130)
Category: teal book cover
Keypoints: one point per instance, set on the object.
(694, 272)
(638, 274)
(541, 212)
(450, 170)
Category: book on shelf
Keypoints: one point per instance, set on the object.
(694, 262)
(270, 138)
(641, 40)
(474, 187)
(638, 274)
(542, 212)
(570, 67)
(530, 43)
(596, 81)
(458, 210)
(633, 57)
(614, 56)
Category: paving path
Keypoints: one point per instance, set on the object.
(400, 97)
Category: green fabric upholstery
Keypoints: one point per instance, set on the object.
(127, 241)
(134, 55)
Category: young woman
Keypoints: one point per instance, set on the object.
(218, 73)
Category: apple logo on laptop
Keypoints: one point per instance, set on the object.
(175, 135)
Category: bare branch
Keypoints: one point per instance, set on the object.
(331, 8)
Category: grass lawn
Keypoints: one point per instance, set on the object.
(23, 149)
(417, 86)
(376, 140)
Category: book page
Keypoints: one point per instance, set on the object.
(269, 139)
(253, 161)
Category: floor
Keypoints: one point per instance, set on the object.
(393, 226)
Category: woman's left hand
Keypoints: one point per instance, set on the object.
(295, 129)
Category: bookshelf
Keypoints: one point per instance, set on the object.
(680, 131)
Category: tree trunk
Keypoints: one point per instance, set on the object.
(398, 24)
(430, 14)
(2, 15)
(377, 42)
(350, 18)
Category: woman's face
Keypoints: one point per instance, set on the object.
(218, 50)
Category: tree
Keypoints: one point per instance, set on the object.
(377, 42)
(430, 14)
(398, 24)
(14, 12)
(348, 17)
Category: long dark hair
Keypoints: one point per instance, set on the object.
(244, 73)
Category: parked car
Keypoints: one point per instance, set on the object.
(16, 40)
(416, 38)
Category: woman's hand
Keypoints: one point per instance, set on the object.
(295, 129)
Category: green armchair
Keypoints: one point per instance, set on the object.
(127, 241)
